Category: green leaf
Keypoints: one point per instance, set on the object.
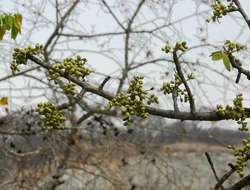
(226, 61)
(2, 32)
(217, 55)
(1, 20)
(14, 32)
(9, 21)
(18, 22)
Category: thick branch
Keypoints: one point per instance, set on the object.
(237, 66)
(199, 116)
(228, 174)
(225, 177)
(240, 184)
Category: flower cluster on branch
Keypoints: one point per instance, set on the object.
(133, 101)
(235, 112)
(220, 9)
(53, 118)
(174, 86)
(20, 56)
(242, 155)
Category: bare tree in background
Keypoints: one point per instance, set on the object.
(121, 41)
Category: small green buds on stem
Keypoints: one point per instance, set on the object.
(53, 118)
(232, 47)
(74, 67)
(175, 85)
(242, 155)
(69, 88)
(235, 112)
(133, 101)
(20, 56)
(220, 10)
(182, 46)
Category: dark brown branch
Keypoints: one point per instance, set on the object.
(228, 174)
(213, 169)
(225, 177)
(181, 75)
(235, 64)
(238, 77)
(104, 82)
(242, 12)
(84, 117)
(199, 116)
(240, 184)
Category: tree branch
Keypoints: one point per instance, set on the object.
(181, 75)
(240, 184)
(242, 12)
(213, 169)
(198, 116)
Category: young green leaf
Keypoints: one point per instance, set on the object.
(9, 21)
(14, 31)
(1, 21)
(18, 22)
(2, 32)
(217, 55)
(226, 61)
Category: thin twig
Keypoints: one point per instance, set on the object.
(126, 46)
(113, 15)
(213, 169)
(60, 24)
(225, 177)
(181, 75)
(242, 12)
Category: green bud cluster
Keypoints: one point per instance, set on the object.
(235, 112)
(152, 99)
(53, 118)
(182, 46)
(69, 88)
(167, 48)
(74, 67)
(231, 47)
(133, 101)
(220, 10)
(20, 56)
(241, 155)
(169, 87)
